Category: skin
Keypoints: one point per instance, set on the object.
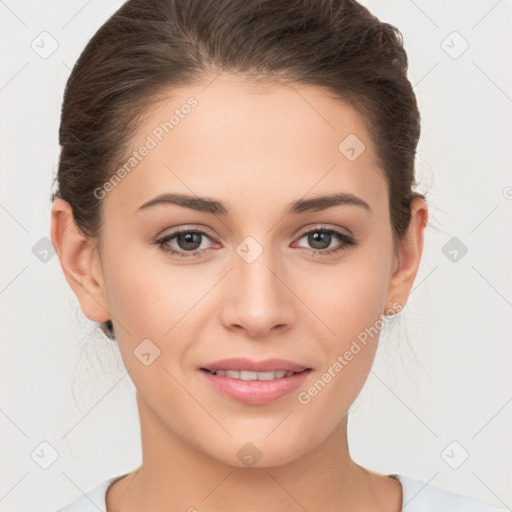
(256, 147)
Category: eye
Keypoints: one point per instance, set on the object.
(188, 242)
(320, 240)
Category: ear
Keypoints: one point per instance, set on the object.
(408, 258)
(80, 262)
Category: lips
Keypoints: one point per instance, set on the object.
(255, 382)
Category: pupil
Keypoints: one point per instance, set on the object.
(316, 237)
(188, 238)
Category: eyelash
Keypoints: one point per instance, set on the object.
(347, 241)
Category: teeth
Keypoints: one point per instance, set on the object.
(248, 375)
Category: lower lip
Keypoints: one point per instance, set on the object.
(256, 392)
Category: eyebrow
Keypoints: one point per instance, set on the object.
(208, 205)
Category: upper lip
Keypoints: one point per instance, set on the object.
(267, 365)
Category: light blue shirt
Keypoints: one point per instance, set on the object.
(417, 496)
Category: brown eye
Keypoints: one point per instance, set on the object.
(320, 240)
(189, 241)
(183, 242)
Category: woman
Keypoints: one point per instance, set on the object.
(236, 208)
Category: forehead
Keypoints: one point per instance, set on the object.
(238, 140)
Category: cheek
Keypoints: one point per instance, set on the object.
(351, 308)
(349, 297)
(151, 298)
(350, 303)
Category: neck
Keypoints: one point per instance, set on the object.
(176, 476)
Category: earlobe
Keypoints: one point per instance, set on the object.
(408, 257)
(80, 262)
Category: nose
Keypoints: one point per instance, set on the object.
(258, 297)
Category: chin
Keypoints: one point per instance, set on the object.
(261, 453)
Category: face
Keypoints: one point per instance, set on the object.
(251, 277)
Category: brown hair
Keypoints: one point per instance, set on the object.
(150, 46)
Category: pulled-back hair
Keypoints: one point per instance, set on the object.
(148, 47)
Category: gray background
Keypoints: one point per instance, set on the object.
(440, 389)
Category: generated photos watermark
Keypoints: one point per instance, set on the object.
(358, 344)
(152, 141)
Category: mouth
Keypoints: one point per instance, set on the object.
(249, 375)
(255, 383)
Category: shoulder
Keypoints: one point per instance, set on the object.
(93, 500)
(420, 496)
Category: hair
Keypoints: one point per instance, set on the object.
(148, 47)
